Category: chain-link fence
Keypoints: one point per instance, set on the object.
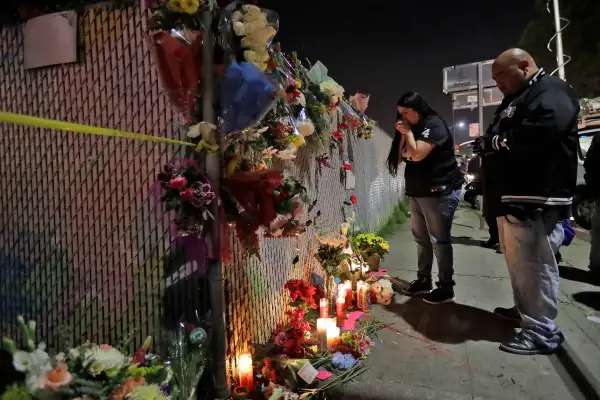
(80, 244)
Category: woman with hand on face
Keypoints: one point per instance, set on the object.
(433, 183)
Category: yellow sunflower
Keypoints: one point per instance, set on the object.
(190, 6)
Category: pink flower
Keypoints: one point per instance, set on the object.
(187, 195)
(178, 183)
(57, 378)
(105, 347)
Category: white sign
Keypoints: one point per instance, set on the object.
(474, 130)
(50, 40)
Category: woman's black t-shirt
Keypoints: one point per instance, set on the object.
(438, 173)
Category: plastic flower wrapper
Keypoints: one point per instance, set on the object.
(189, 354)
(359, 102)
(176, 14)
(247, 32)
(318, 76)
(305, 125)
(246, 96)
(350, 119)
(178, 58)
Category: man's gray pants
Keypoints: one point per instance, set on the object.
(595, 234)
(529, 247)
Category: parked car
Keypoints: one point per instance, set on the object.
(583, 202)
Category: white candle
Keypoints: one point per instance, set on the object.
(322, 325)
(333, 333)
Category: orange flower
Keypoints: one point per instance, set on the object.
(57, 378)
(128, 386)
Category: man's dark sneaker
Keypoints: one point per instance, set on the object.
(490, 244)
(440, 296)
(521, 344)
(419, 286)
(509, 314)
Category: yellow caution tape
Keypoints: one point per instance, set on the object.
(28, 120)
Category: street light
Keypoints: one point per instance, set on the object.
(461, 124)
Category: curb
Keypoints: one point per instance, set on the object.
(585, 381)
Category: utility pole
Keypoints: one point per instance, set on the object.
(560, 56)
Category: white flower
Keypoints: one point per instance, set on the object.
(106, 359)
(331, 88)
(300, 100)
(306, 128)
(60, 357)
(269, 152)
(203, 128)
(42, 346)
(40, 358)
(22, 361)
(287, 154)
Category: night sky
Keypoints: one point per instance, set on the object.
(388, 47)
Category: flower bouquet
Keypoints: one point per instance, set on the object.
(87, 371)
(176, 35)
(187, 192)
(289, 198)
(372, 248)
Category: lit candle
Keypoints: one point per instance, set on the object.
(322, 325)
(333, 333)
(246, 371)
(324, 308)
(340, 311)
(360, 286)
(349, 295)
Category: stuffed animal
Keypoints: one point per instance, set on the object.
(382, 289)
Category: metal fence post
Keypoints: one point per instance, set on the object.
(215, 268)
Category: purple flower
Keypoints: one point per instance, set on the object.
(343, 361)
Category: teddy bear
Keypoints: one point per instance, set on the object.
(383, 291)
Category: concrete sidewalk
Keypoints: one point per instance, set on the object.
(451, 351)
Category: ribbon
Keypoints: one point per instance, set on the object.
(37, 122)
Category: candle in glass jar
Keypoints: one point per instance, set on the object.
(333, 333)
(360, 287)
(324, 308)
(340, 311)
(322, 325)
(246, 371)
(349, 295)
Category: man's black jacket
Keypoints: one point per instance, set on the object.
(592, 167)
(535, 135)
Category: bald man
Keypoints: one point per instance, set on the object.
(533, 145)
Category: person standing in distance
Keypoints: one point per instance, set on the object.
(433, 183)
(536, 133)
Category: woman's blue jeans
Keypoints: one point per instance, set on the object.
(431, 222)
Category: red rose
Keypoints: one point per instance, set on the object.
(342, 126)
(337, 134)
(347, 167)
(178, 183)
(353, 199)
(187, 195)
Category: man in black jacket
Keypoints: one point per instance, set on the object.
(592, 181)
(536, 138)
